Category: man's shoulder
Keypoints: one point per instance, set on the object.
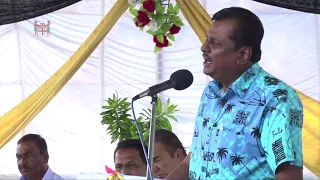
(273, 86)
(57, 176)
(51, 175)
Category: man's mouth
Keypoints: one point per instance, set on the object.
(207, 61)
(161, 176)
(25, 169)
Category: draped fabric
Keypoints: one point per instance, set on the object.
(310, 6)
(12, 11)
(19, 117)
(199, 20)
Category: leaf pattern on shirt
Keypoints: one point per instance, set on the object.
(256, 133)
(269, 81)
(281, 95)
(236, 159)
(227, 110)
(222, 153)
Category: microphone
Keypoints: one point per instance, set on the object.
(179, 80)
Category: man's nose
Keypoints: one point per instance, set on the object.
(125, 171)
(155, 168)
(204, 47)
(22, 162)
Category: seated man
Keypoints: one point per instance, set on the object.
(168, 153)
(129, 158)
(32, 159)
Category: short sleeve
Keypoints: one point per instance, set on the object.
(281, 133)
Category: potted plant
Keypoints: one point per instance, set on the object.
(121, 125)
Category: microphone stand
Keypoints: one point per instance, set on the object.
(154, 102)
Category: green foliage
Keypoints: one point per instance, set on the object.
(120, 124)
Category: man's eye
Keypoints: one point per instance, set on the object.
(28, 155)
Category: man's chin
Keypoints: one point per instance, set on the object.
(24, 171)
(206, 71)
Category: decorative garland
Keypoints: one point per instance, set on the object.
(161, 19)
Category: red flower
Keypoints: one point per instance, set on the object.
(149, 5)
(174, 29)
(143, 18)
(159, 44)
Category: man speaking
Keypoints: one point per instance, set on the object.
(249, 123)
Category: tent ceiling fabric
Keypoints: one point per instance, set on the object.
(311, 6)
(290, 52)
(17, 10)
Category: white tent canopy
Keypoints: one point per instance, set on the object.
(125, 63)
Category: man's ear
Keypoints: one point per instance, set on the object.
(244, 55)
(46, 157)
(179, 154)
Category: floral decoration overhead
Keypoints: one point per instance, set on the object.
(158, 18)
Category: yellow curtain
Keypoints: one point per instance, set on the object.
(200, 21)
(19, 117)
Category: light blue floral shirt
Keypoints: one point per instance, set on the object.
(248, 131)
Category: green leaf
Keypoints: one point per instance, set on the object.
(165, 27)
(148, 113)
(141, 28)
(133, 12)
(169, 44)
(159, 8)
(135, 19)
(132, 6)
(160, 18)
(151, 32)
(159, 106)
(167, 124)
(170, 9)
(157, 49)
(142, 9)
(167, 104)
(160, 38)
(174, 19)
(170, 109)
(171, 37)
(172, 117)
(179, 23)
(176, 9)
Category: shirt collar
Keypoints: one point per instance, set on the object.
(49, 174)
(242, 84)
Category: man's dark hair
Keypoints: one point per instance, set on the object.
(36, 138)
(131, 143)
(249, 31)
(170, 141)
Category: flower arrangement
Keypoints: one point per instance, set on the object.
(161, 19)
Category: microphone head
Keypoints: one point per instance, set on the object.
(182, 79)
